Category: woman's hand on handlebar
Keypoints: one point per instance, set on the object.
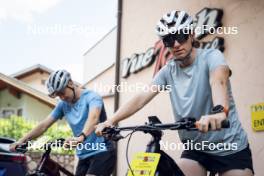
(211, 122)
(101, 126)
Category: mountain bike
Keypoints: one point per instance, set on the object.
(166, 165)
(47, 166)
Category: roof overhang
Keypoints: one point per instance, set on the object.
(16, 87)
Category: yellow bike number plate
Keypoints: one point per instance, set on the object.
(144, 164)
(257, 116)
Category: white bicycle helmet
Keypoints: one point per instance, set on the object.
(173, 22)
(57, 81)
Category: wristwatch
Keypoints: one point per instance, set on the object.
(84, 136)
(219, 108)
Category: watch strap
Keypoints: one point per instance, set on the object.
(219, 108)
(84, 136)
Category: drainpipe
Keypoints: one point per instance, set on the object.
(117, 64)
(118, 44)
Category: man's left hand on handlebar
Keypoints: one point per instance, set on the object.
(213, 120)
(73, 142)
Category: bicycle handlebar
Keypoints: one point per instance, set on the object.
(22, 148)
(184, 124)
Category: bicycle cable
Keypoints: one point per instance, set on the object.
(130, 135)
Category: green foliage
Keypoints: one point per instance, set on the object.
(15, 127)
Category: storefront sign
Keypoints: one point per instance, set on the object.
(137, 62)
(206, 18)
(257, 116)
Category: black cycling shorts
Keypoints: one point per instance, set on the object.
(220, 164)
(101, 164)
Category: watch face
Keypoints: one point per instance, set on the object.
(218, 108)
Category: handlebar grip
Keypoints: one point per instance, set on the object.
(112, 134)
(225, 124)
(22, 148)
(108, 130)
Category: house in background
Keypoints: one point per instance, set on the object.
(103, 52)
(24, 94)
(34, 76)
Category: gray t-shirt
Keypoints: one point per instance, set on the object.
(191, 96)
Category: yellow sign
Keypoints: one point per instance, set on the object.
(144, 164)
(257, 116)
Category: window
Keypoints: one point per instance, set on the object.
(7, 112)
(20, 112)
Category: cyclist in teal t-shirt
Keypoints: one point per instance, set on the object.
(82, 109)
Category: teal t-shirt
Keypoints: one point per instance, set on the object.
(191, 96)
(76, 115)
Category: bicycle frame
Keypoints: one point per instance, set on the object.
(47, 166)
(166, 165)
(50, 167)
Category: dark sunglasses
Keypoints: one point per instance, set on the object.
(169, 40)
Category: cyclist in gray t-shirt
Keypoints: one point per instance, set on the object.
(199, 86)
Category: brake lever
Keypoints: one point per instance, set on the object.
(22, 148)
(187, 124)
(224, 124)
(112, 134)
(116, 137)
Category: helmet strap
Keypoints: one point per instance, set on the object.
(73, 90)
